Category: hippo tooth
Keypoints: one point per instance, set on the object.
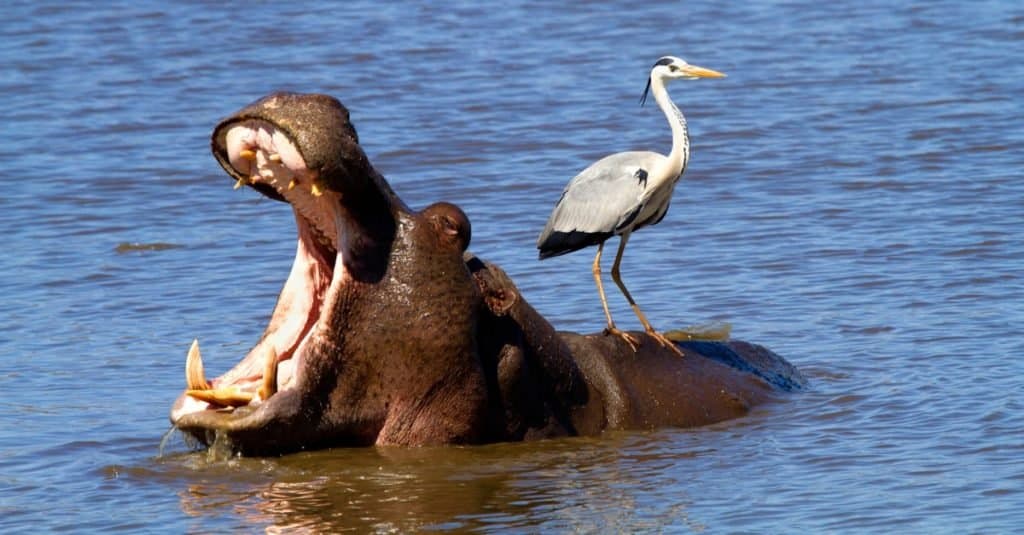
(241, 182)
(247, 154)
(228, 396)
(274, 157)
(195, 378)
(317, 189)
(291, 185)
(269, 387)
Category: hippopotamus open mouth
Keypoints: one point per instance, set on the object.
(261, 154)
(327, 322)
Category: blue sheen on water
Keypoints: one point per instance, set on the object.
(854, 202)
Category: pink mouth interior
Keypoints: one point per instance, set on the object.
(264, 154)
(296, 314)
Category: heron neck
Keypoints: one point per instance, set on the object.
(680, 154)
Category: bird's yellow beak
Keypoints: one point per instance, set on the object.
(701, 72)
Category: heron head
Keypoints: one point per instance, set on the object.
(671, 68)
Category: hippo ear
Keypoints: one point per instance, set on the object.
(501, 300)
(499, 292)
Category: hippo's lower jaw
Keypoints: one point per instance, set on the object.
(264, 157)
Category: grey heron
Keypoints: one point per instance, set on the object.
(624, 192)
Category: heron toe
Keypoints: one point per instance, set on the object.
(630, 339)
(664, 341)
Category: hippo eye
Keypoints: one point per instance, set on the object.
(450, 226)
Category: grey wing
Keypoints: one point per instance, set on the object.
(598, 203)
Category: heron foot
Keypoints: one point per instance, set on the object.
(630, 339)
(664, 341)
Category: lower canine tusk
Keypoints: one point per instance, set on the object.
(229, 396)
(247, 154)
(269, 387)
(195, 377)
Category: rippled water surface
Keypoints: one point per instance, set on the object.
(854, 202)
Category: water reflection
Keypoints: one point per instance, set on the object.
(578, 484)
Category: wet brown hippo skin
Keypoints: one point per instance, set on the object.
(602, 384)
(407, 341)
(392, 359)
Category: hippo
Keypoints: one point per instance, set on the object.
(389, 331)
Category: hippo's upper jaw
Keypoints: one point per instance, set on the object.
(297, 149)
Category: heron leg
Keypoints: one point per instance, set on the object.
(660, 338)
(610, 329)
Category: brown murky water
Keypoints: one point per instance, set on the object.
(854, 202)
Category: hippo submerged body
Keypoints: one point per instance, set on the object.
(388, 332)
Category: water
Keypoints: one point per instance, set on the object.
(854, 202)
